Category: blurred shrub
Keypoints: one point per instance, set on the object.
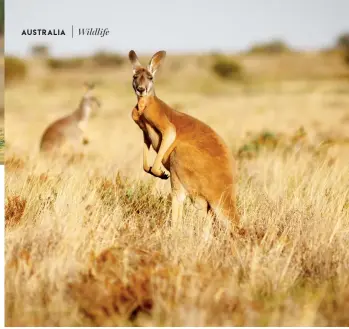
(40, 50)
(269, 48)
(65, 63)
(269, 141)
(343, 41)
(343, 45)
(15, 69)
(227, 68)
(105, 59)
(346, 56)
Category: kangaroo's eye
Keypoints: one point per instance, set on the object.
(150, 77)
(135, 76)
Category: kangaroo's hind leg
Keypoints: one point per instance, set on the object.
(216, 220)
(178, 197)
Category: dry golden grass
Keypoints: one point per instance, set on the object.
(1, 108)
(88, 239)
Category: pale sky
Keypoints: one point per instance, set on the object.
(174, 25)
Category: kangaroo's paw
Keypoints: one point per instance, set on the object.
(158, 173)
(146, 169)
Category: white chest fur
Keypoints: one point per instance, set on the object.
(154, 137)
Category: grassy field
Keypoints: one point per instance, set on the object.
(2, 141)
(88, 240)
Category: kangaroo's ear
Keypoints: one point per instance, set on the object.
(155, 61)
(96, 100)
(134, 60)
(89, 87)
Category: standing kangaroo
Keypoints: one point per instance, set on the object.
(199, 162)
(68, 132)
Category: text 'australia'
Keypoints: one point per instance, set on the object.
(94, 31)
(43, 32)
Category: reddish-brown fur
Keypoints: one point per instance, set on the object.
(56, 135)
(67, 134)
(199, 162)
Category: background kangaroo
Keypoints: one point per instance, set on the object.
(68, 132)
(199, 162)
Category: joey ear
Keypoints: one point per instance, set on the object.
(134, 60)
(155, 61)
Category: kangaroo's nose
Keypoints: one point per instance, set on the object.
(140, 89)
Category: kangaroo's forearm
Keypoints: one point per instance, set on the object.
(146, 148)
(168, 139)
(146, 157)
(168, 152)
